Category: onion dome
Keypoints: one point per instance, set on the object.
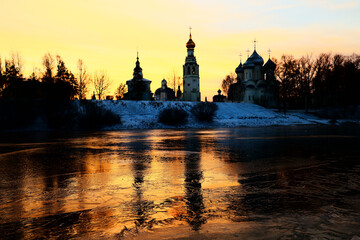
(190, 44)
(269, 65)
(254, 59)
(239, 69)
(137, 70)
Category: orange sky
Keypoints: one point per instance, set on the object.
(107, 33)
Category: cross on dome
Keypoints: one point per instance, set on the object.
(269, 51)
(255, 44)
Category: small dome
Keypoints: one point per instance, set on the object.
(239, 69)
(254, 59)
(269, 65)
(190, 44)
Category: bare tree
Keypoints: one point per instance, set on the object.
(287, 73)
(307, 72)
(120, 91)
(17, 62)
(13, 67)
(101, 83)
(48, 63)
(83, 80)
(227, 81)
(174, 80)
(2, 77)
(323, 66)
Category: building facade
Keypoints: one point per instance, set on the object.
(164, 93)
(219, 97)
(256, 82)
(138, 86)
(191, 80)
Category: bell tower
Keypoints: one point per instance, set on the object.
(191, 84)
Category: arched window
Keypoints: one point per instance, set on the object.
(188, 70)
(193, 70)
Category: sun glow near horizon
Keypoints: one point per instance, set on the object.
(106, 34)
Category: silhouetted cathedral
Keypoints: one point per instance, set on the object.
(138, 87)
(256, 82)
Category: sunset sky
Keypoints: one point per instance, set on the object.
(106, 34)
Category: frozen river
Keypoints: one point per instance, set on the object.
(247, 183)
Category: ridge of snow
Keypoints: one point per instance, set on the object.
(144, 114)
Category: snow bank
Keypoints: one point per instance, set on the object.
(143, 115)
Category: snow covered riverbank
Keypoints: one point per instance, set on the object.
(144, 114)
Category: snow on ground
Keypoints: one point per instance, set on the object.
(144, 114)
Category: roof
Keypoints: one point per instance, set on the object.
(254, 59)
(190, 44)
(269, 64)
(143, 79)
(239, 68)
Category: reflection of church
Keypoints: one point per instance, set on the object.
(256, 82)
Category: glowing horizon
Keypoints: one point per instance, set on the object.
(106, 34)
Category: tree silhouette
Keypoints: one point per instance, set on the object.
(48, 63)
(2, 78)
(83, 80)
(12, 78)
(226, 82)
(120, 91)
(307, 73)
(174, 80)
(101, 83)
(287, 73)
(65, 80)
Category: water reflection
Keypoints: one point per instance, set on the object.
(140, 163)
(112, 184)
(193, 179)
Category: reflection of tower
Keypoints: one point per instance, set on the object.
(140, 206)
(191, 83)
(194, 197)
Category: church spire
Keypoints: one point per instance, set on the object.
(190, 44)
(137, 70)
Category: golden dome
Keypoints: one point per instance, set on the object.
(190, 44)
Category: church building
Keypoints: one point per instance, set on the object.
(191, 85)
(164, 93)
(256, 82)
(138, 86)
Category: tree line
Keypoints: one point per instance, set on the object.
(55, 81)
(45, 98)
(328, 80)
